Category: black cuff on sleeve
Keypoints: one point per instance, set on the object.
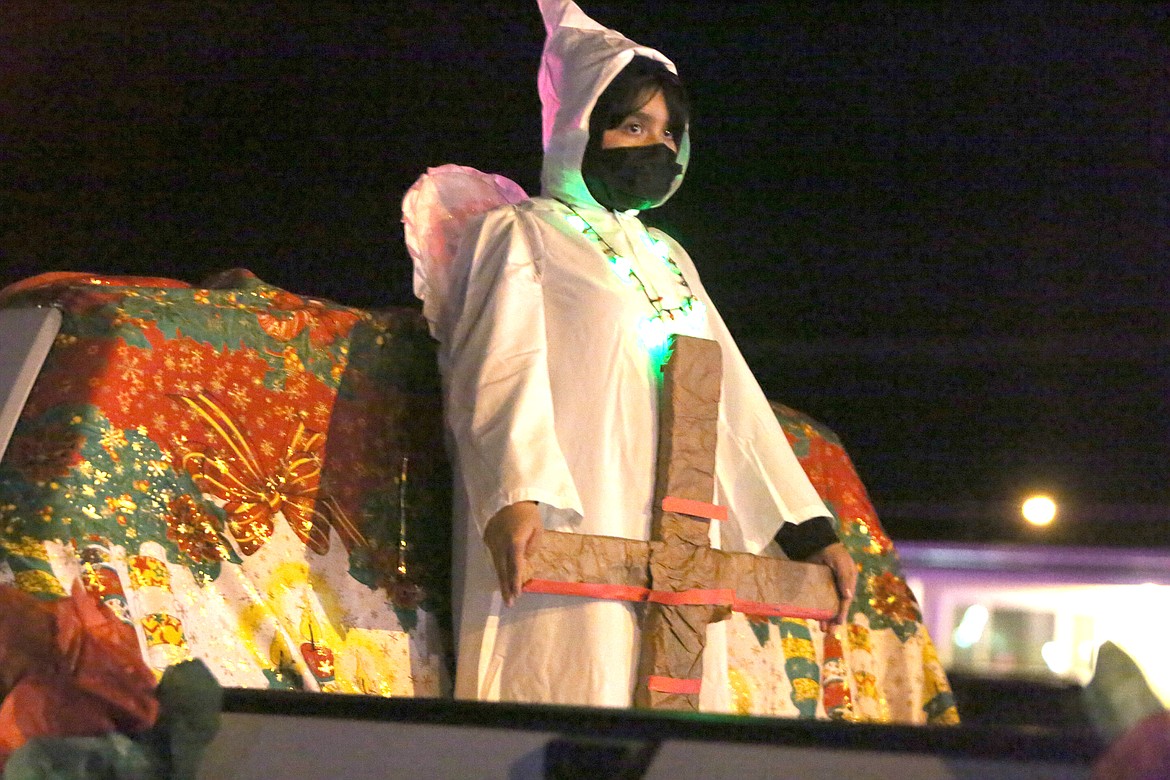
(800, 541)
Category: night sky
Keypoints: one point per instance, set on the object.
(941, 229)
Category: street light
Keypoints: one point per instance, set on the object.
(1039, 510)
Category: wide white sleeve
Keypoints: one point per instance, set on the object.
(498, 397)
(759, 477)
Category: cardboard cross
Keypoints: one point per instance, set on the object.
(684, 582)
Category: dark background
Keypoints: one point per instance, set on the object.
(941, 229)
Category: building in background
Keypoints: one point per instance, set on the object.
(1042, 611)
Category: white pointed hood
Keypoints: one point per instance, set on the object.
(580, 59)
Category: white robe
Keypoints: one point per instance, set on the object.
(550, 397)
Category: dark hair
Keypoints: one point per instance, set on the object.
(631, 89)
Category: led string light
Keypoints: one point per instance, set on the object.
(688, 317)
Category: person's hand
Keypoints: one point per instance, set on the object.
(511, 536)
(837, 558)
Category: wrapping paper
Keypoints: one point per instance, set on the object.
(242, 475)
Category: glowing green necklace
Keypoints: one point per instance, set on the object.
(688, 317)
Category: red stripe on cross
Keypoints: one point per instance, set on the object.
(693, 508)
(587, 589)
(673, 684)
(763, 609)
(693, 597)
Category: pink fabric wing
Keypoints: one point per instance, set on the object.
(435, 212)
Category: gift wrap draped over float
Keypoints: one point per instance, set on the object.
(231, 469)
(257, 479)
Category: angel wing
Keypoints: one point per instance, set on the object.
(435, 213)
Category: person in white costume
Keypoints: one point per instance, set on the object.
(548, 331)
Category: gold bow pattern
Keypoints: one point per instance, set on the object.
(289, 314)
(255, 488)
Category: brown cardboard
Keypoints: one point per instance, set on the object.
(678, 558)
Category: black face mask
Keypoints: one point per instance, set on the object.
(630, 177)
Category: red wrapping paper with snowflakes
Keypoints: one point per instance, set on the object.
(242, 475)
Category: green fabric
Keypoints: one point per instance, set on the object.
(191, 701)
(1119, 696)
(109, 757)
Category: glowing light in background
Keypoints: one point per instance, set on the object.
(1057, 656)
(1039, 510)
(970, 628)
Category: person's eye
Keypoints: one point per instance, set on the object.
(632, 127)
(668, 134)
